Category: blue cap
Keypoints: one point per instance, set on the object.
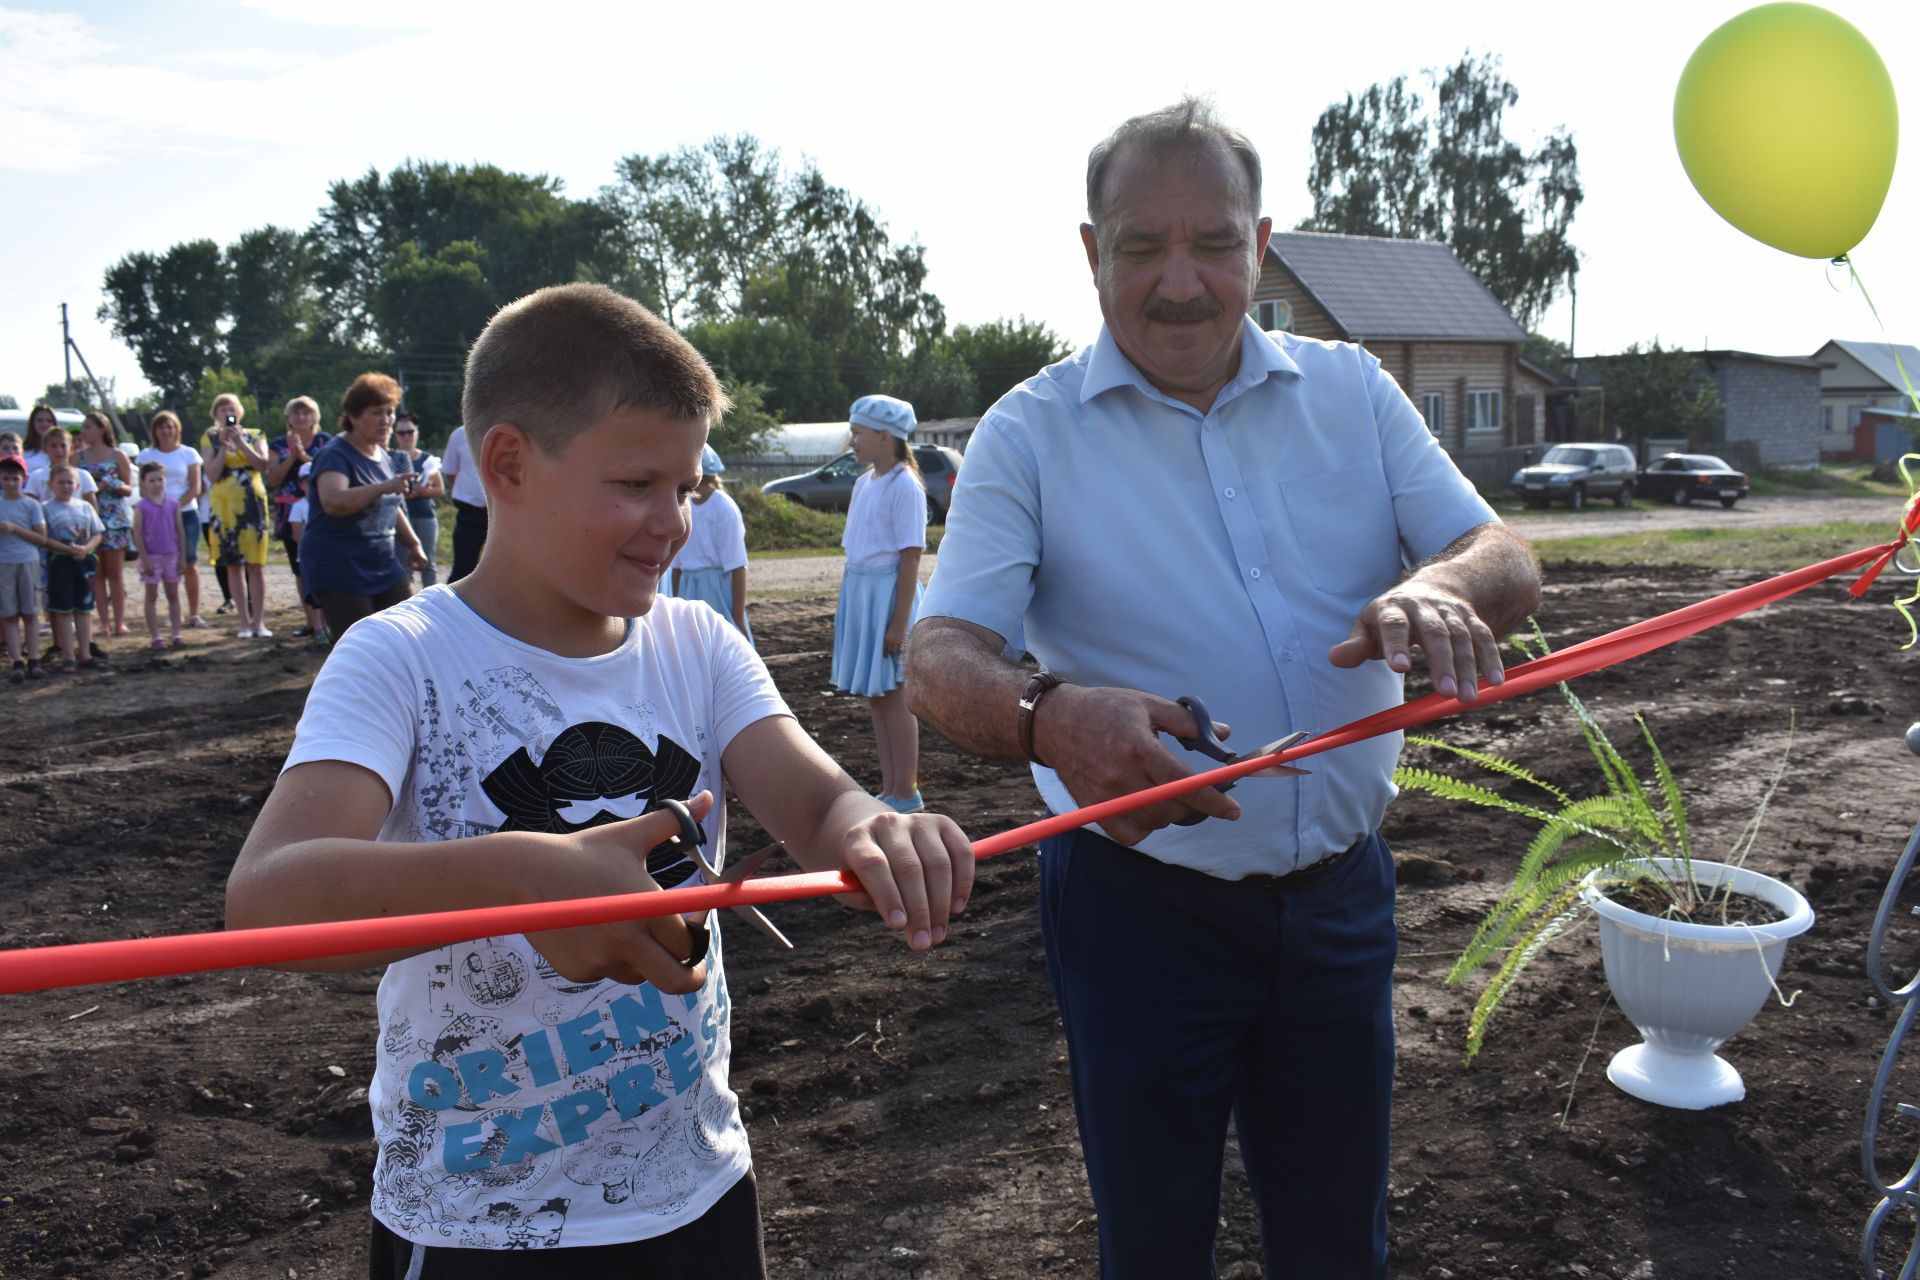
(710, 463)
(883, 413)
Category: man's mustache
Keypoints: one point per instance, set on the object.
(1164, 312)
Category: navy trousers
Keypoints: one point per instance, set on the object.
(1187, 999)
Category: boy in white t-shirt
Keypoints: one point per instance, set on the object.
(511, 739)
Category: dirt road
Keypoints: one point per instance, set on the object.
(783, 579)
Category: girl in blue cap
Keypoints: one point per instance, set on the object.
(712, 566)
(880, 590)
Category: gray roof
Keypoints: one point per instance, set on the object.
(1879, 360)
(1378, 289)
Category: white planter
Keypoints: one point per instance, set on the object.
(1689, 987)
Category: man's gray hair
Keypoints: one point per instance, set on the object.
(1190, 126)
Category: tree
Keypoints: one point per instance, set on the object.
(780, 279)
(1658, 391)
(1003, 353)
(1386, 166)
(532, 236)
(748, 427)
(1550, 354)
(8, 402)
(210, 386)
(170, 309)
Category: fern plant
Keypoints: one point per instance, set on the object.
(1612, 833)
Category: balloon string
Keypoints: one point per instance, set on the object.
(1910, 517)
(1894, 351)
(81, 964)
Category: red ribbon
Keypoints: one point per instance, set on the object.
(81, 964)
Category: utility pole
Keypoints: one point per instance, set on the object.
(70, 349)
(66, 348)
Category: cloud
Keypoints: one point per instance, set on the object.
(72, 98)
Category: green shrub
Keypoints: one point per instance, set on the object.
(775, 524)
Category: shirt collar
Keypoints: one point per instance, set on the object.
(1260, 358)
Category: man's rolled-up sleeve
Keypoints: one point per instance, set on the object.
(1433, 503)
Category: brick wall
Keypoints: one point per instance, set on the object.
(1775, 406)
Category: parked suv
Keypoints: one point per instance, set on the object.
(1577, 473)
(830, 487)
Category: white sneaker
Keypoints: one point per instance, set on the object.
(245, 633)
(262, 632)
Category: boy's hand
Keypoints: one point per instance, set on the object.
(917, 870)
(612, 860)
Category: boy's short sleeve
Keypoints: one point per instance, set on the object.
(361, 708)
(743, 688)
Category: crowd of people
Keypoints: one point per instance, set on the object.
(353, 512)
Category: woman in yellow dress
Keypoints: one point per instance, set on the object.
(235, 458)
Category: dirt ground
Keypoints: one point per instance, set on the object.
(910, 1115)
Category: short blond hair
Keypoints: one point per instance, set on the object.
(301, 402)
(227, 397)
(562, 358)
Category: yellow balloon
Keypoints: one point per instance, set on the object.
(1786, 123)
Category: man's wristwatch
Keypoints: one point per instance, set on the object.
(1037, 688)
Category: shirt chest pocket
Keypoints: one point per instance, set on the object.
(1344, 525)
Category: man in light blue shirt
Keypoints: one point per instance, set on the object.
(1190, 506)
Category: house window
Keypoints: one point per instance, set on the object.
(1826, 419)
(1483, 410)
(1433, 407)
(1273, 313)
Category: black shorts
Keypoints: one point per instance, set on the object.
(721, 1244)
(69, 584)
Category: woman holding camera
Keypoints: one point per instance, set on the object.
(356, 512)
(235, 457)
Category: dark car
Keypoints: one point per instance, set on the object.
(1682, 477)
(830, 487)
(1577, 473)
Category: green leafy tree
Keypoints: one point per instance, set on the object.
(748, 427)
(532, 234)
(210, 386)
(1386, 165)
(170, 309)
(936, 382)
(1002, 354)
(780, 279)
(8, 402)
(1658, 391)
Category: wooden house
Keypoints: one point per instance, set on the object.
(1448, 342)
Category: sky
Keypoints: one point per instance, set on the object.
(127, 127)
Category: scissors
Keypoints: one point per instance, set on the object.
(1207, 743)
(689, 840)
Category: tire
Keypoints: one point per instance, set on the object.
(1682, 496)
(1624, 498)
(1728, 502)
(1577, 498)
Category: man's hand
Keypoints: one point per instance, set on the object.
(1482, 585)
(917, 870)
(1461, 650)
(613, 860)
(1104, 743)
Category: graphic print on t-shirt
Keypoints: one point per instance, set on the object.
(593, 774)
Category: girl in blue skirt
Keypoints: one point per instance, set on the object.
(712, 566)
(880, 591)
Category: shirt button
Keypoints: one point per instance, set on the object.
(1254, 572)
(1229, 491)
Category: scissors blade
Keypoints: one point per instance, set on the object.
(734, 874)
(1278, 745)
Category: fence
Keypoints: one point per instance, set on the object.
(751, 470)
